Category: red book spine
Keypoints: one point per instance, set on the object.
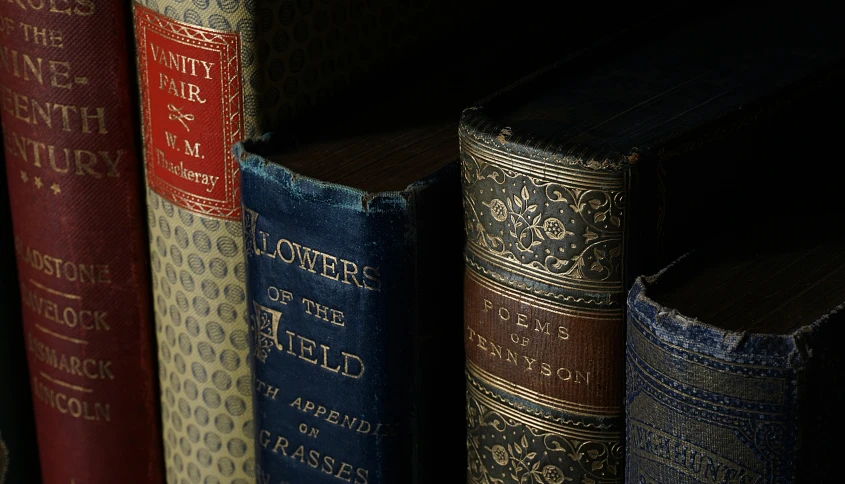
(74, 175)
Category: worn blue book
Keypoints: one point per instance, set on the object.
(352, 293)
(734, 365)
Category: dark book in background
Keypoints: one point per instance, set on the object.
(18, 451)
(564, 206)
(372, 190)
(734, 365)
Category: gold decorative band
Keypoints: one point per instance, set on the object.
(503, 442)
(544, 277)
(528, 166)
(609, 314)
(564, 298)
(488, 379)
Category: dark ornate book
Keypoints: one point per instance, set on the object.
(571, 179)
(734, 365)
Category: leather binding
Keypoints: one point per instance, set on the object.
(211, 74)
(560, 173)
(719, 394)
(18, 451)
(74, 179)
(338, 360)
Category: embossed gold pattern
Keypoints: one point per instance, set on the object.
(503, 446)
(597, 313)
(476, 375)
(593, 300)
(554, 231)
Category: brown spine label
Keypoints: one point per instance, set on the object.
(191, 95)
(540, 352)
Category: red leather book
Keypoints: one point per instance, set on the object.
(74, 176)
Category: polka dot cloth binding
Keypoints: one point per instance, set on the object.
(198, 281)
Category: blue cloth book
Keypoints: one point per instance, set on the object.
(354, 296)
(734, 366)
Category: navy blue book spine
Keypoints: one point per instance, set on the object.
(711, 405)
(334, 294)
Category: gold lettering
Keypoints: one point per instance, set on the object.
(333, 417)
(70, 405)
(99, 116)
(36, 112)
(347, 273)
(62, 269)
(528, 363)
(317, 310)
(281, 445)
(371, 278)
(345, 472)
(306, 348)
(90, 368)
(70, 317)
(279, 295)
(348, 422)
(287, 243)
(60, 74)
(562, 332)
(329, 270)
(268, 390)
(307, 258)
(312, 457)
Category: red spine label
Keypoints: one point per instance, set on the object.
(191, 99)
(74, 181)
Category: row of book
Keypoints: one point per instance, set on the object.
(622, 264)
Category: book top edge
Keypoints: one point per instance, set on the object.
(252, 156)
(488, 134)
(670, 324)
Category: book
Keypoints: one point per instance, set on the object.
(211, 74)
(733, 371)
(563, 205)
(18, 451)
(74, 185)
